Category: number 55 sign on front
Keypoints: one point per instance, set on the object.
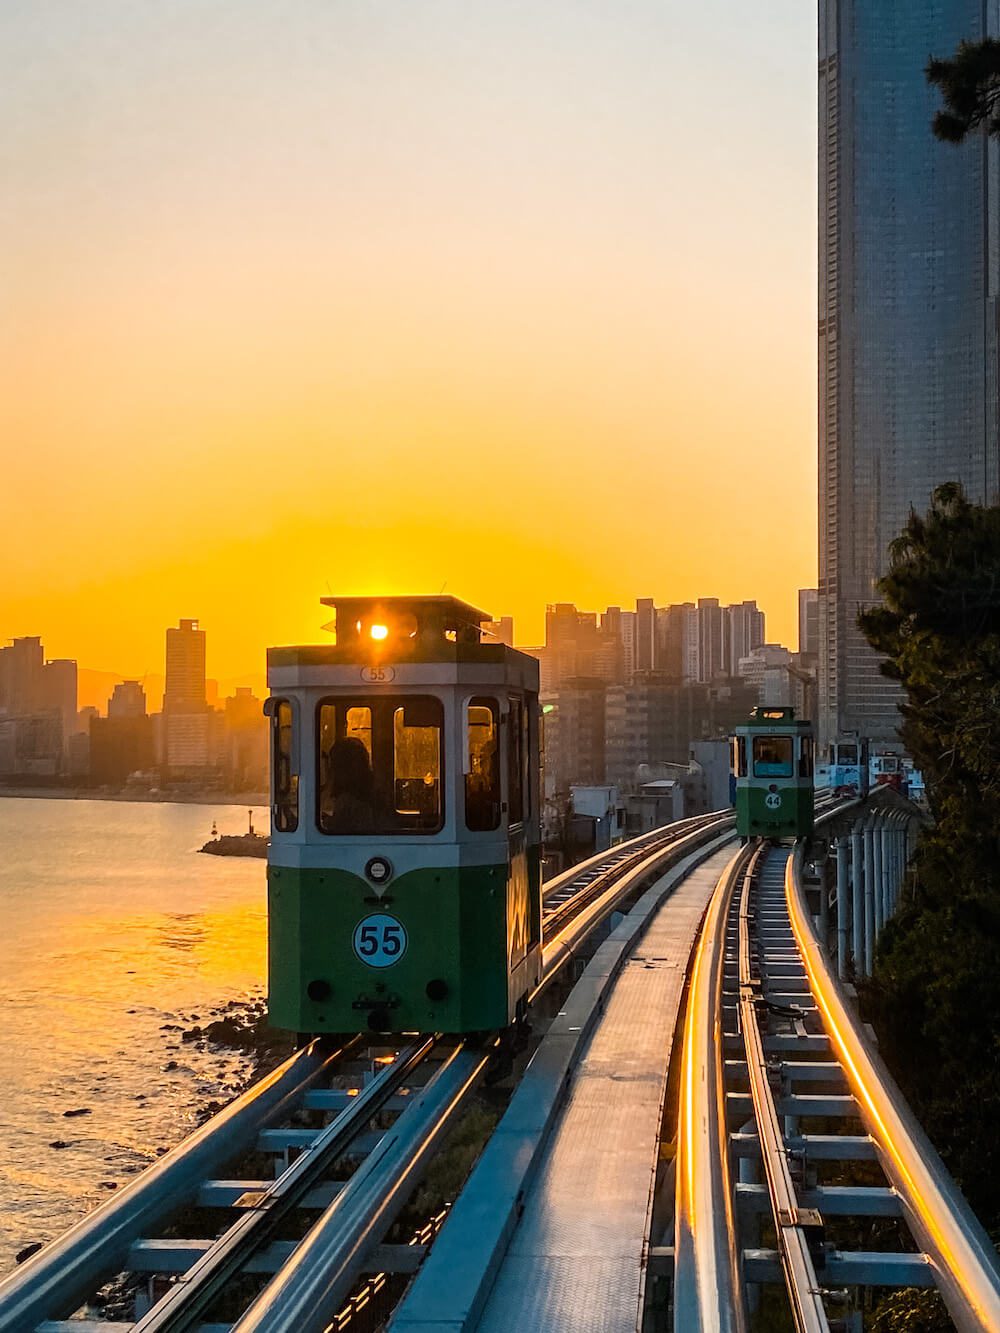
(379, 940)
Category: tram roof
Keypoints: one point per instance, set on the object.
(431, 611)
(767, 717)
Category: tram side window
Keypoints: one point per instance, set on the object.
(482, 782)
(806, 758)
(515, 762)
(772, 757)
(739, 759)
(286, 780)
(379, 765)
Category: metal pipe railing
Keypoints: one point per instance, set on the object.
(966, 1264)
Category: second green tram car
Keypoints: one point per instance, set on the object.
(772, 764)
(404, 867)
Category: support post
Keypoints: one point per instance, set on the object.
(843, 907)
(857, 896)
(869, 940)
(881, 875)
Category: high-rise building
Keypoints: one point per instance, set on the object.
(187, 726)
(627, 634)
(645, 634)
(909, 281)
(745, 632)
(127, 700)
(712, 655)
(809, 621)
(678, 641)
(21, 665)
(185, 687)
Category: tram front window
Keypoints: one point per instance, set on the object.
(380, 765)
(772, 756)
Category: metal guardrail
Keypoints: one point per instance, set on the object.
(559, 949)
(965, 1261)
(567, 896)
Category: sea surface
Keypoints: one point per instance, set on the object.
(115, 936)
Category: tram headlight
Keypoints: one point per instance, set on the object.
(379, 632)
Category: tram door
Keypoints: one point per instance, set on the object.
(518, 814)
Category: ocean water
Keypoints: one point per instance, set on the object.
(114, 933)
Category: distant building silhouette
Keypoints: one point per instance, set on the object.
(38, 715)
(187, 723)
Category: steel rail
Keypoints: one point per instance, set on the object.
(556, 916)
(559, 949)
(965, 1262)
(311, 1287)
(790, 1219)
(708, 1290)
(55, 1281)
(194, 1292)
(616, 855)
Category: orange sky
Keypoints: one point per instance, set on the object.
(510, 299)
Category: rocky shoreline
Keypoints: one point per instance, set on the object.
(239, 1026)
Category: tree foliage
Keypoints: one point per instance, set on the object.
(935, 996)
(970, 85)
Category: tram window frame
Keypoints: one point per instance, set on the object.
(787, 769)
(517, 787)
(489, 797)
(385, 816)
(806, 757)
(739, 756)
(285, 777)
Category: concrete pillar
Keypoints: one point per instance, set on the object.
(843, 907)
(857, 896)
(869, 931)
(881, 873)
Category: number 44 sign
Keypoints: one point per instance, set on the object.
(379, 940)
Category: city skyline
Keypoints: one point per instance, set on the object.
(287, 285)
(96, 683)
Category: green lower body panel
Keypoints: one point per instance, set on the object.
(432, 955)
(785, 812)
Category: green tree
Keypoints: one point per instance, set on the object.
(935, 995)
(970, 85)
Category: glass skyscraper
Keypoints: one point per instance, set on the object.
(909, 276)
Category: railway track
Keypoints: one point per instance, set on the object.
(785, 1115)
(336, 1140)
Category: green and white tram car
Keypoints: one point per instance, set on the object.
(404, 869)
(772, 763)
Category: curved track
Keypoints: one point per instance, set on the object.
(782, 1094)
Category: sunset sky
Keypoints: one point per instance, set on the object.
(511, 298)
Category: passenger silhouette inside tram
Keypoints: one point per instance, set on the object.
(351, 805)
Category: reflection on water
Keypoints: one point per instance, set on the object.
(116, 933)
